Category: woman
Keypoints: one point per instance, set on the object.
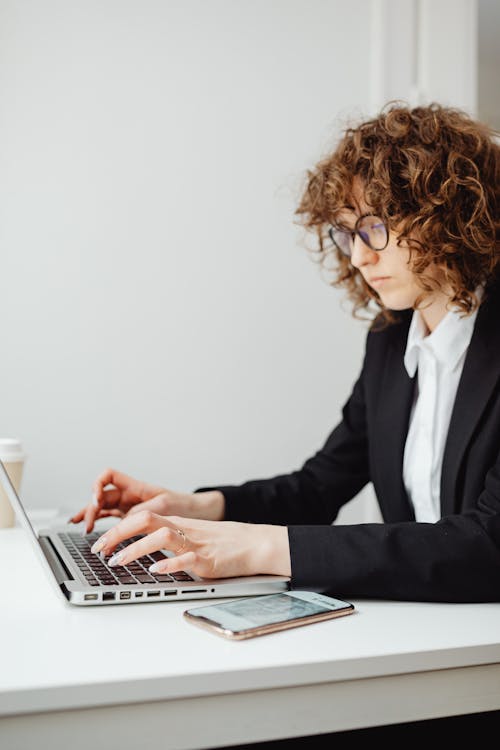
(408, 205)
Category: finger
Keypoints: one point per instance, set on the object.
(173, 564)
(99, 509)
(163, 538)
(118, 480)
(107, 513)
(109, 498)
(89, 517)
(137, 523)
(102, 513)
(78, 516)
(107, 477)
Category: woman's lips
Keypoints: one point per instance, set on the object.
(378, 280)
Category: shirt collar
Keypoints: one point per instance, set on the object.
(447, 343)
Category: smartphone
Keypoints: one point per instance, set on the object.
(259, 615)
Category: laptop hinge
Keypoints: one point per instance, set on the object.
(60, 571)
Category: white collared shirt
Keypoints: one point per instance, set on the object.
(439, 358)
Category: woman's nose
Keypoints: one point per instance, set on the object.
(361, 253)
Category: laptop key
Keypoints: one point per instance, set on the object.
(158, 556)
(145, 578)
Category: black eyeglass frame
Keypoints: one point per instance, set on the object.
(357, 231)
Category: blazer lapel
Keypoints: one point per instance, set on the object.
(479, 377)
(395, 402)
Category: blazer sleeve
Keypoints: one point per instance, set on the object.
(456, 559)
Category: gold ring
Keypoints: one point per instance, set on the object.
(184, 540)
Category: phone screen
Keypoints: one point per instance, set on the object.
(259, 611)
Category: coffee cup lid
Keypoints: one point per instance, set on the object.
(11, 449)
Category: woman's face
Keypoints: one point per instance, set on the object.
(387, 271)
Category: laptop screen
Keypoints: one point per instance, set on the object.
(14, 500)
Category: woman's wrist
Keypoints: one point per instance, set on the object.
(209, 505)
(273, 549)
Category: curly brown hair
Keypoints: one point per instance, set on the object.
(432, 173)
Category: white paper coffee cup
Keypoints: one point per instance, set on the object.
(13, 458)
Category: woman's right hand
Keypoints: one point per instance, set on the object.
(117, 494)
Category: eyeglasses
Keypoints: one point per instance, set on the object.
(372, 230)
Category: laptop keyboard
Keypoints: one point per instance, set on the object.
(97, 573)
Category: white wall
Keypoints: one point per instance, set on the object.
(489, 62)
(425, 51)
(160, 313)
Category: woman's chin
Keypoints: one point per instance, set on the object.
(396, 301)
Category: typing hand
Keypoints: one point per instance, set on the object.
(117, 494)
(210, 549)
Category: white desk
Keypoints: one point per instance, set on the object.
(138, 676)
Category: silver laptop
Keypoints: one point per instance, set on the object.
(84, 578)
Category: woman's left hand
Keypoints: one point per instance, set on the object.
(210, 549)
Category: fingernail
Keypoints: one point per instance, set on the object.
(116, 559)
(84, 532)
(98, 545)
(154, 568)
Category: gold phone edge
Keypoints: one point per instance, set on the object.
(266, 629)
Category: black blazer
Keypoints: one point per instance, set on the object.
(456, 559)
